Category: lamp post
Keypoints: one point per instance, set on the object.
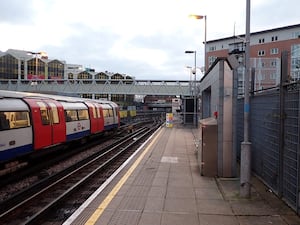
(200, 17)
(191, 71)
(194, 94)
(245, 185)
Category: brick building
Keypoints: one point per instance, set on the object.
(265, 52)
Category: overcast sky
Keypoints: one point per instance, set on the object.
(141, 38)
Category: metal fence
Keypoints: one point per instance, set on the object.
(275, 137)
(291, 146)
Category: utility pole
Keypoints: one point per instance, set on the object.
(245, 185)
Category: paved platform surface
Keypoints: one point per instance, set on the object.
(164, 187)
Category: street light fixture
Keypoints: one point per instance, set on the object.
(195, 92)
(200, 17)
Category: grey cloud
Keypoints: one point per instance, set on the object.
(90, 48)
(271, 15)
(16, 12)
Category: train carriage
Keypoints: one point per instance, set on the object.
(16, 136)
(33, 121)
(123, 114)
(77, 120)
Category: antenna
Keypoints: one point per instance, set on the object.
(234, 32)
(234, 28)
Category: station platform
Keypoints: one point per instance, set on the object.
(162, 185)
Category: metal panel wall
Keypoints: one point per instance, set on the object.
(265, 135)
(290, 189)
(278, 167)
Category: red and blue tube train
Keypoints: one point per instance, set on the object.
(31, 121)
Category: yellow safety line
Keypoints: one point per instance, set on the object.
(98, 212)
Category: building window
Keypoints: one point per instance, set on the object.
(296, 34)
(211, 60)
(84, 75)
(212, 48)
(274, 38)
(70, 76)
(89, 96)
(295, 61)
(117, 98)
(101, 96)
(273, 76)
(274, 51)
(261, 40)
(261, 53)
(273, 64)
(117, 76)
(102, 76)
(56, 70)
(8, 67)
(36, 69)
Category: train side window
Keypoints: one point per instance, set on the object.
(4, 121)
(71, 115)
(95, 115)
(105, 113)
(54, 112)
(83, 114)
(44, 113)
(68, 117)
(98, 112)
(111, 113)
(18, 119)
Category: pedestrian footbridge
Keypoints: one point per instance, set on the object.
(77, 87)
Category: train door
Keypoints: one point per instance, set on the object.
(48, 122)
(95, 117)
(57, 121)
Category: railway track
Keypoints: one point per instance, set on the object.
(54, 198)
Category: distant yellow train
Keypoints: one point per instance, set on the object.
(127, 112)
(123, 113)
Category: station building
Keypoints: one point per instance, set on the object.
(32, 66)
